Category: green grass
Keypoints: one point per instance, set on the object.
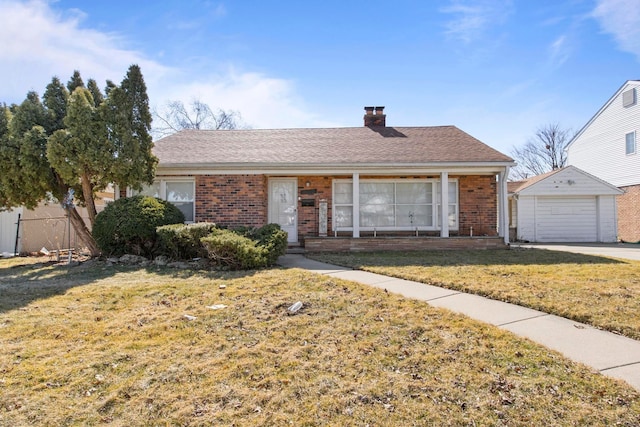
(603, 292)
(94, 345)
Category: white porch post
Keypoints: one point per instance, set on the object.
(503, 212)
(356, 205)
(444, 204)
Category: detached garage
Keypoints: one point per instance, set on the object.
(564, 205)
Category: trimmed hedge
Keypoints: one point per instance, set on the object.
(128, 225)
(246, 248)
(182, 241)
(229, 249)
(271, 237)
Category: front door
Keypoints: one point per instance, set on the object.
(283, 205)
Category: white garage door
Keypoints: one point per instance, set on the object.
(566, 219)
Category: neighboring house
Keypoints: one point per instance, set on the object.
(46, 226)
(564, 205)
(607, 147)
(8, 230)
(341, 188)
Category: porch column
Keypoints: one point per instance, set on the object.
(503, 205)
(356, 205)
(444, 204)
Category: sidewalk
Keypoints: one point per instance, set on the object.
(612, 355)
(615, 250)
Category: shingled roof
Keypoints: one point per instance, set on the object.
(374, 145)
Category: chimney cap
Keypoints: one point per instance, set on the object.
(374, 119)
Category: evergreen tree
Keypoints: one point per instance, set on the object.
(127, 112)
(83, 143)
(78, 152)
(75, 82)
(98, 98)
(55, 100)
(21, 147)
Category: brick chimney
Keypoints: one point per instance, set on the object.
(374, 116)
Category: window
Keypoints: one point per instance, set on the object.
(343, 204)
(392, 204)
(453, 205)
(180, 192)
(630, 143)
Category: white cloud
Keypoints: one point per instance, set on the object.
(559, 51)
(46, 43)
(621, 18)
(472, 18)
(264, 102)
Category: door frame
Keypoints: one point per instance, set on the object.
(292, 237)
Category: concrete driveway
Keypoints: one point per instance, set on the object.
(615, 250)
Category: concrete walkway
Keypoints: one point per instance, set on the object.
(611, 354)
(615, 250)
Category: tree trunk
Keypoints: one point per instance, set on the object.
(78, 223)
(87, 193)
(83, 232)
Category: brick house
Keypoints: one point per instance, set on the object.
(342, 188)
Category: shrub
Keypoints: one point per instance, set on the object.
(128, 225)
(274, 240)
(182, 241)
(269, 236)
(229, 249)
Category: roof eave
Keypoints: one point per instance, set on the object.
(328, 168)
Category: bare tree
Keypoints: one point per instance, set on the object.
(542, 153)
(175, 116)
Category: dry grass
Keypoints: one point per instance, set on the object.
(93, 344)
(603, 292)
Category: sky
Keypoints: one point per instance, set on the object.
(497, 69)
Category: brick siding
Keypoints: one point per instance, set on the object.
(344, 244)
(478, 207)
(232, 200)
(629, 214)
(478, 204)
(319, 188)
(242, 200)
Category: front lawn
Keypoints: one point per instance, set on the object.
(603, 292)
(97, 344)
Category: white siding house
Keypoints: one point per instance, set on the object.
(607, 147)
(565, 205)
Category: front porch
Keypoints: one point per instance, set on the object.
(401, 243)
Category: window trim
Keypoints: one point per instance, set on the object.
(635, 146)
(435, 203)
(163, 191)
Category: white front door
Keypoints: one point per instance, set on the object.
(283, 205)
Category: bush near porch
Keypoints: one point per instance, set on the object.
(238, 249)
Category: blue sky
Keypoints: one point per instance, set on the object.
(496, 69)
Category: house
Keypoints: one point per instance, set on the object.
(564, 205)
(607, 148)
(358, 188)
